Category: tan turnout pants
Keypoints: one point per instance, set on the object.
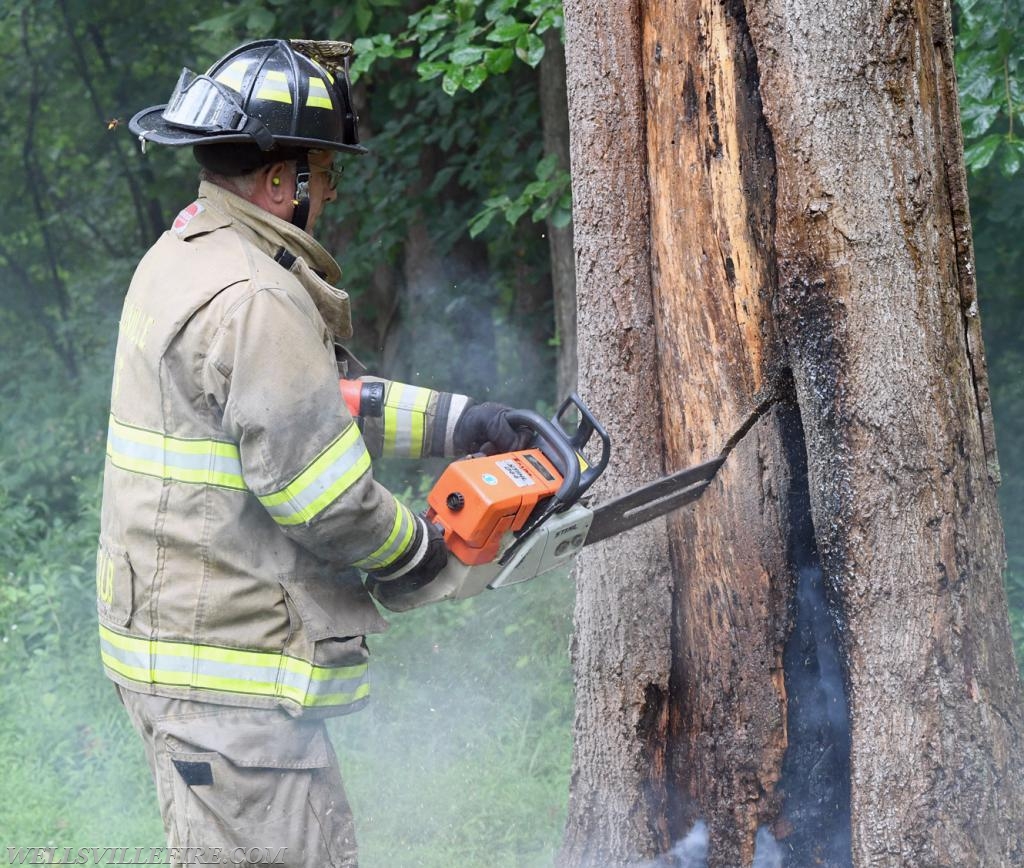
(244, 784)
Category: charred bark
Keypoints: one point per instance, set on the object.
(712, 179)
(877, 310)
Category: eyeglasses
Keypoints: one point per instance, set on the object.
(333, 174)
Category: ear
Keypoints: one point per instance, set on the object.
(275, 184)
(275, 197)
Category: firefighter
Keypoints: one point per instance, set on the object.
(239, 506)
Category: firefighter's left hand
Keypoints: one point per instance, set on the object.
(485, 428)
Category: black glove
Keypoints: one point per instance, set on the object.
(426, 557)
(485, 428)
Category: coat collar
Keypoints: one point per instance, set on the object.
(313, 266)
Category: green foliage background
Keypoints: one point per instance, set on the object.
(463, 759)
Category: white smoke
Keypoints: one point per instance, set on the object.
(767, 852)
(692, 851)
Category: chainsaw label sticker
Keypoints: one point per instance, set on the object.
(513, 471)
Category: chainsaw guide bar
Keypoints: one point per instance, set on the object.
(651, 501)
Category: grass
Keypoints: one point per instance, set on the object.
(461, 759)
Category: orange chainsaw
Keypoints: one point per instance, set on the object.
(511, 517)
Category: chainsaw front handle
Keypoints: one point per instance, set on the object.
(562, 453)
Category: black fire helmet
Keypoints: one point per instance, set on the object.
(273, 93)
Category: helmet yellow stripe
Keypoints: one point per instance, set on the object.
(233, 74)
(318, 96)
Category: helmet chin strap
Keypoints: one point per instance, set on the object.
(300, 215)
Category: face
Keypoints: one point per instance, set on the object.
(320, 189)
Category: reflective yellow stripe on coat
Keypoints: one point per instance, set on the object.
(395, 545)
(152, 453)
(253, 673)
(325, 479)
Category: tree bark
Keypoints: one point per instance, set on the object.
(841, 669)
(623, 597)
(712, 180)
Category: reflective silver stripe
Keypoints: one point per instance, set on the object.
(405, 420)
(416, 557)
(455, 411)
(153, 453)
(217, 463)
(130, 657)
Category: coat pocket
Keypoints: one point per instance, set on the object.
(325, 608)
(237, 779)
(114, 584)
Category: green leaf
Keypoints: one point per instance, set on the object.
(1011, 157)
(979, 154)
(499, 60)
(498, 9)
(431, 45)
(541, 212)
(508, 30)
(536, 189)
(431, 69)
(551, 18)
(452, 80)
(217, 24)
(561, 218)
(516, 210)
(466, 56)
(547, 166)
(364, 16)
(530, 49)
(434, 21)
(362, 45)
(474, 77)
(261, 21)
(977, 117)
(480, 222)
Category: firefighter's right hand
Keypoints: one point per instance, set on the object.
(427, 556)
(485, 428)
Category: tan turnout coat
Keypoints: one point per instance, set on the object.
(238, 493)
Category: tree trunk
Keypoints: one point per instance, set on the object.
(841, 664)
(623, 598)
